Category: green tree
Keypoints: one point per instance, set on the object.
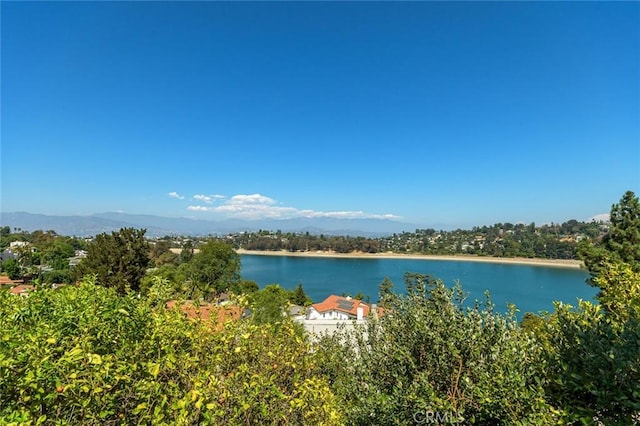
(299, 297)
(43, 239)
(363, 297)
(187, 252)
(247, 287)
(167, 273)
(385, 292)
(268, 305)
(57, 254)
(418, 284)
(619, 291)
(58, 276)
(161, 253)
(594, 350)
(213, 270)
(623, 238)
(621, 243)
(28, 259)
(593, 361)
(119, 260)
(11, 267)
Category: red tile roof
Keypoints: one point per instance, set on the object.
(5, 280)
(22, 288)
(342, 304)
(209, 312)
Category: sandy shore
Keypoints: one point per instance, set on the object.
(561, 263)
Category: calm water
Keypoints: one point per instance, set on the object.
(530, 288)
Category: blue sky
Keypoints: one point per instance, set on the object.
(455, 114)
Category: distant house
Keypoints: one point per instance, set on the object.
(21, 247)
(339, 308)
(22, 289)
(16, 244)
(8, 254)
(15, 249)
(5, 280)
(15, 286)
(217, 315)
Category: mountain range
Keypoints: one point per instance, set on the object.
(90, 225)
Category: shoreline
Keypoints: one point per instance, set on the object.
(558, 263)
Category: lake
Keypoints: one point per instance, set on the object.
(530, 288)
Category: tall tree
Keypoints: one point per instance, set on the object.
(11, 267)
(187, 252)
(299, 297)
(623, 238)
(161, 253)
(213, 270)
(385, 292)
(621, 243)
(119, 260)
(57, 254)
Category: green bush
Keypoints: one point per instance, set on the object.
(594, 365)
(429, 354)
(84, 355)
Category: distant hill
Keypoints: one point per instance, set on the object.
(85, 226)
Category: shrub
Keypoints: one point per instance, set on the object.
(594, 365)
(85, 355)
(428, 354)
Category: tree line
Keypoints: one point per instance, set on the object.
(554, 241)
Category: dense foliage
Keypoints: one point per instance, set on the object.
(119, 259)
(84, 355)
(203, 275)
(593, 365)
(211, 271)
(428, 354)
(269, 305)
(622, 241)
(593, 352)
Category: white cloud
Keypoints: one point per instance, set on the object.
(209, 199)
(257, 206)
(251, 200)
(348, 215)
(174, 194)
(204, 198)
(200, 208)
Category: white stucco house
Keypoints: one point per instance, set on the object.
(338, 308)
